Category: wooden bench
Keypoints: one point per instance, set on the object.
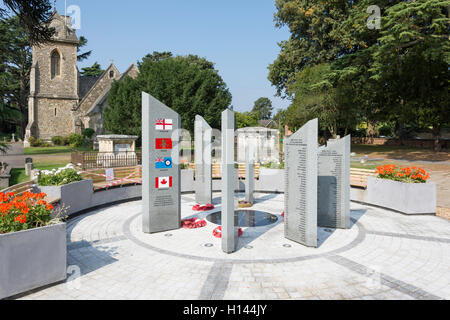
(217, 170)
(122, 176)
(358, 177)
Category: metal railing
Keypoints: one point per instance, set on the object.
(96, 160)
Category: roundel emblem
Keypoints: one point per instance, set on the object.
(168, 162)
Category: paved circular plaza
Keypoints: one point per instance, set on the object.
(385, 255)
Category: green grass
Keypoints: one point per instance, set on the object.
(370, 166)
(54, 150)
(366, 148)
(19, 176)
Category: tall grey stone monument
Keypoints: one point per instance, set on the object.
(249, 174)
(301, 185)
(229, 232)
(333, 207)
(161, 197)
(203, 161)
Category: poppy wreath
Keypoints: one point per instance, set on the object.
(206, 207)
(193, 223)
(217, 232)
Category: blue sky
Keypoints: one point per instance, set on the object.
(238, 36)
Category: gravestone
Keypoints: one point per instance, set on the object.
(333, 207)
(301, 185)
(249, 174)
(161, 189)
(229, 232)
(203, 161)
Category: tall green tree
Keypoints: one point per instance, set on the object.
(315, 38)
(94, 71)
(180, 83)
(82, 42)
(246, 119)
(14, 73)
(263, 108)
(398, 73)
(34, 16)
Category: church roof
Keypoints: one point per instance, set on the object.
(86, 83)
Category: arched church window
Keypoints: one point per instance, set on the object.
(56, 63)
(111, 74)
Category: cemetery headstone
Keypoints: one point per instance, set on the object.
(203, 161)
(161, 187)
(333, 207)
(229, 232)
(301, 185)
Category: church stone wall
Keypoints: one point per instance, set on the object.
(103, 85)
(66, 84)
(48, 123)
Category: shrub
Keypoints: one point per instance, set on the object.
(406, 174)
(75, 140)
(24, 212)
(88, 133)
(37, 142)
(59, 177)
(58, 141)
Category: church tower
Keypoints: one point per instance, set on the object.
(54, 83)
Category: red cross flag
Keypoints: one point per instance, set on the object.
(164, 124)
(163, 182)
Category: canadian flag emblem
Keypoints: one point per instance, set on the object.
(163, 182)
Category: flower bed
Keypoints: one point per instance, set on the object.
(19, 213)
(402, 174)
(32, 243)
(59, 177)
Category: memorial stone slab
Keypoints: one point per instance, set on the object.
(161, 188)
(249, 175)
(333, 207)
(301, 185)
(229, 232)
(203, 161)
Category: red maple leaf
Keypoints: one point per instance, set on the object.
(163, 181)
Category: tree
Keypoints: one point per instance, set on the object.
(246, 119)
(263, 108)
(82, 42)
(412, 60)
(397, 74)
(315, 38)
(93, 71)
(34, 16)
(178, 82)
(317, 97)
(14, 72)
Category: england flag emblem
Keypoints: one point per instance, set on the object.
(163, 182)
(164, 124)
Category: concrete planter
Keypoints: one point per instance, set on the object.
(31, 259)
(408, 198)
(76, 196)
